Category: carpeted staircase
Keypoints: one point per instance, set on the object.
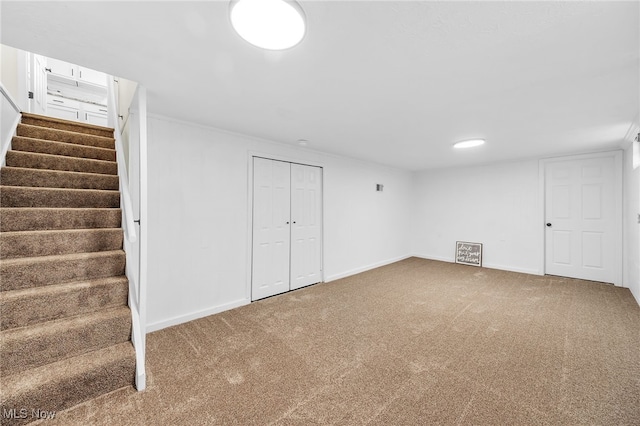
(65, 327)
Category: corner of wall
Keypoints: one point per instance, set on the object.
(631, 227)
(359, 270)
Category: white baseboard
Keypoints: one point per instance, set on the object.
(484, 265)
(430, 257)
(364, 268)
(512, 269)
(635, 296)
(159, 325)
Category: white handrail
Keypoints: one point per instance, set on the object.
(9, 98)
(125, 195)
(9, 131)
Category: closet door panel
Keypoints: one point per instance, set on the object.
(271, 228)
(306, 229)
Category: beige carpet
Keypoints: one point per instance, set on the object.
(413, 343)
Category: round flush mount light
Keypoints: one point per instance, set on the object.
(303, 142)
(470, 143)
(269, 24)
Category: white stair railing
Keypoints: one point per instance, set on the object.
(9, 119)
(133, 270)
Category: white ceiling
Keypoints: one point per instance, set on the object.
(394, 82)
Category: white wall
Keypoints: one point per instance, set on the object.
(364, 228)
(199, 229)
(497, 205)
(630, 224)
(9, 70)
(8, 113)
(199, 223)
(126, 92)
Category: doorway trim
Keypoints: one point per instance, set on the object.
(249, 243)
(617, 159)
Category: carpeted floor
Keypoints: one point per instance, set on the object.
(413, 343)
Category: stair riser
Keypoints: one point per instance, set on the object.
(63, 391)
(14, 196)
(27, 307)
(33, 219)
(70, 127)
(21, 350)
(31, 160)
(11, 176)
(58, 148)
(48, 243)
(44, 271)
(64, 136)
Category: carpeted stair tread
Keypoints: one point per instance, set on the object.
(56, 242)
(27, 272)
(21, 143)
(22, 196)
(43, 218)
(32, 305)
(65, 324)
(34, 160)
(69, 382)
(20, 176)
(38, 132)
(71, 126)
(39, 344)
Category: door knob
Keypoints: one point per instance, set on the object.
(549, 224)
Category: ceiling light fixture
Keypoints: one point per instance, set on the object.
(269, 24)
(303, 142)
(469, 143)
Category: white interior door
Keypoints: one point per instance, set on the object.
(583, 219)
(306, 214)
(39, 85)
(271, 227)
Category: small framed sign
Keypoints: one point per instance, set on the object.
(469, 253)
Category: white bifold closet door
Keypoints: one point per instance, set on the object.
(287, 231)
